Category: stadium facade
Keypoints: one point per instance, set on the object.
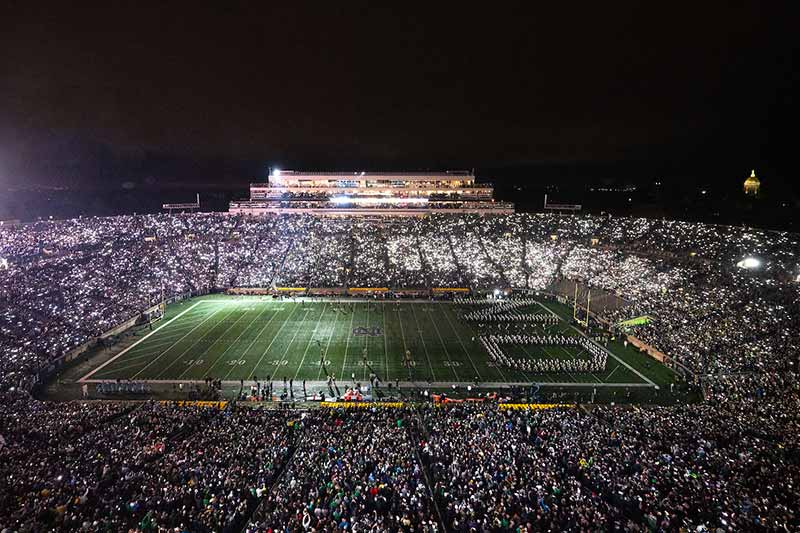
(370, 193)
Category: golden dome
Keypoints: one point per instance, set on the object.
(752, 184)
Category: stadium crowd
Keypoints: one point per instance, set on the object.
(727, 464)
(69, 281)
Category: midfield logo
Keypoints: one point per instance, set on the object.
(364, 332)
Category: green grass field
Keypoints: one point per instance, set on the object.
(243, 338)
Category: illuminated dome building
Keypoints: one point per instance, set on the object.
(752, 184)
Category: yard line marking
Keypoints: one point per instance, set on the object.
(548, 309)
(366, 346)
(294, 336)
(626, 365)
(195, 343)
(623, 363)
(129, 359)
(324, 356)
(273, 340)
(415, 384)
(349, 334)
(458, 336)
(313, 334)
(230, 345)
(612, 373)
(123, 352)
(244, 352)
(427, 355)
(446, 352)
(402, 333)
(115, 370)
(385, 341)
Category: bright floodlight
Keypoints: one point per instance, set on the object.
(276, 172)
(496, 292)
(749, 263)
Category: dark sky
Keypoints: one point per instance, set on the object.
(101, 93)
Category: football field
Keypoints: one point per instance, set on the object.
(235, 338)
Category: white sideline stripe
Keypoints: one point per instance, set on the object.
(164, 341)
(548, 309)
(192, 345)
(220, 338)
(134, 365)
(415, 384)
(177, 332)
(156, 358)
(123, 352)
(620, 361)
(137, 357)
(623, 363)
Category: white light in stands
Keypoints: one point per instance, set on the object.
(348, 200)
(749, 263)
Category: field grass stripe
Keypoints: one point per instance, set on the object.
(207, 373)
(444, 346)
(260, 331)
(252, 372)
(623, 363)
(294, 336)
(195, 343)
(424, 346)
(446, 313)
(366, 347)
(217, 339)
(385, 341)
(324, 355)
(573, 357)
(313, 334)
(349, 335)
(126, 350)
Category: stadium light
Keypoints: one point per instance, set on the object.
(749, 263)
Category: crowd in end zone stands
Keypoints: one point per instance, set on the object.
(729, 464)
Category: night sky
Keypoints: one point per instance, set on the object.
(105, 94)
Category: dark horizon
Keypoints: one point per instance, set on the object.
(112, 98)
